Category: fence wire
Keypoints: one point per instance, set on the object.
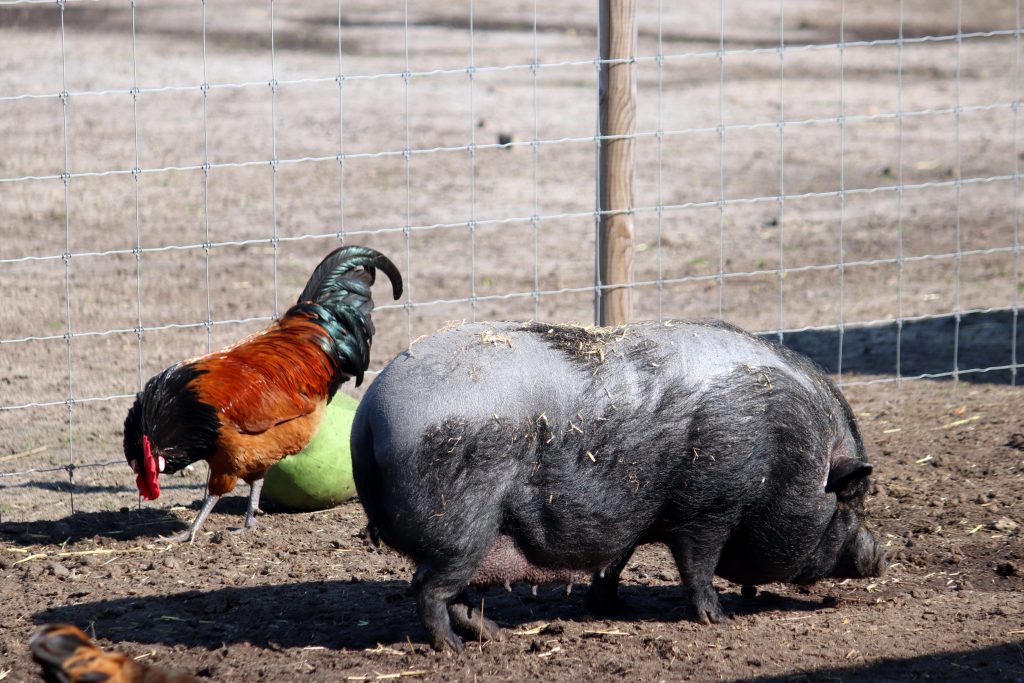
(678, 225)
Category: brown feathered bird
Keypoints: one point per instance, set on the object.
(68, 656)
(245, 407)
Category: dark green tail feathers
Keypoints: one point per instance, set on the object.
(338, 296)
(334, 275)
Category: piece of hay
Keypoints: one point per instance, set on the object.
(495, 339)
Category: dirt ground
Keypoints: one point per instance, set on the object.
(306, 597)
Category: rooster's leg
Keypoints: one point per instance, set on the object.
(191, 533)
(254, 505)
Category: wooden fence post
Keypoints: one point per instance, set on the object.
(618, 36)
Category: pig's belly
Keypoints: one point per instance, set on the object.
(506, 564)
(542, 554)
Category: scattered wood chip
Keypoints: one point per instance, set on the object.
(921, 461)
(376, 676)
(103, 551)
(3, 674)
(957, 423)
(532, 631)
(976, 529)
(891, 431)
(35, 556)
(384, 650)
(312, 513)
(556, 648)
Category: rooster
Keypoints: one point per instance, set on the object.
(68, 656)
(245, 407)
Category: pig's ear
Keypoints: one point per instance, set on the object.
(844, 476)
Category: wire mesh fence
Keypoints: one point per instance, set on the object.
(839, 176)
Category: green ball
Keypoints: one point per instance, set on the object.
(320, 475)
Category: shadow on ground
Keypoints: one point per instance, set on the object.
(126, 524)
(145, 523)
(355, 614)
(933, 347)
(996, 663)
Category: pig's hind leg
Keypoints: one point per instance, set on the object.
(696, 556)
(435, 591)
(440, 585)
(442, 603)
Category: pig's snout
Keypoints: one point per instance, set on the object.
(863, 557)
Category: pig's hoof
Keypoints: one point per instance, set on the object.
(706, 607)
(447, 641)
(473, 623)
(711, 615)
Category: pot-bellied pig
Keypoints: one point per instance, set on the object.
(491, 453)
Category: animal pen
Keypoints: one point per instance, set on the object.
(842, 176)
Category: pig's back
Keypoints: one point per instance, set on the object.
(514, 370)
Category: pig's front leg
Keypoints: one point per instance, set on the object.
(603, 595)
(696, 561)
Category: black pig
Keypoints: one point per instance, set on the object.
(502, 452)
